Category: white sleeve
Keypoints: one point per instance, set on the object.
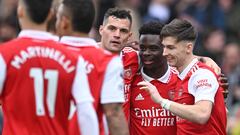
(87, 119)
(2, 73)
(81, 90)
(203, 85)
(112, 89)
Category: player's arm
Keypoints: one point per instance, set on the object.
(211, 63)
(3, 69)
(112, 97)
(87, 117)
(204, 98)
(223, 81)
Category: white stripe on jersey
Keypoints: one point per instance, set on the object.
(2, 73)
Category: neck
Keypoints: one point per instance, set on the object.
(29, 25)
(185, 62)
(79, 34)
(157, 72)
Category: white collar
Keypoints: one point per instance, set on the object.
(38, 35)
(184, 73)
(78, 41)
(164, 79)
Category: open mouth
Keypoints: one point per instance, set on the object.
(148, 62)
(115, 42)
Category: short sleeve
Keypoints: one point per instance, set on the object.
(81, 90)
(112, 90)
(203, 85)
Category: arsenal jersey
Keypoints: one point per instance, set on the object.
(37, 82)
(198, 82)
(104, 71)
(147, 117)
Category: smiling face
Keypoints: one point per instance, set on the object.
(151, 51)
(177, 53)
(115, 33)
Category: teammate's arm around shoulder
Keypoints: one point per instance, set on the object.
(112, 97)
(86, 113)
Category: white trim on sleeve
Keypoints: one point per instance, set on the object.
(203, 85)
(112, 89)
(2, 73)
(81, 90)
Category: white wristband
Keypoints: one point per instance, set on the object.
(166, 104)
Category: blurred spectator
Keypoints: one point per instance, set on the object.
(234, 120)
(7, 7)
(231, 68)
(159, 10)
(9, 28)
(231, 10)
(213, 43)
(204, 14)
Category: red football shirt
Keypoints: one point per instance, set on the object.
(199, 82)
(37, 78)
(104, 71)
(146, 117)
(131, 66)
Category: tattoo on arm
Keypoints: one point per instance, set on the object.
(116, 120)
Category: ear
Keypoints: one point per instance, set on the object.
(130, 35)
(66, 22)
(189, 47)
(101, 29)
(51, 14)
(20, 11)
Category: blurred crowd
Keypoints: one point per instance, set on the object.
(217, 22)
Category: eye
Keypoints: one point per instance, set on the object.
(112, 28)
(124, 30)
(142, 48)
(154, 48)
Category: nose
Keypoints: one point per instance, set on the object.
(117, 33)
(165, 52)
(146, 52)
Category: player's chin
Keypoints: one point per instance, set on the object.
(171, 63)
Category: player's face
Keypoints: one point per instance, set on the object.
(151, 51)
(115, 32)
(175, 52)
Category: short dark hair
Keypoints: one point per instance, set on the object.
(82, 14)
(118, 13)
(179, 29)
(152, 27)
(38, 10)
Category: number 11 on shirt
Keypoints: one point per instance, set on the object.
(38, 76)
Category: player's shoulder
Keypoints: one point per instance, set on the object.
(10, 46)
(129, 51)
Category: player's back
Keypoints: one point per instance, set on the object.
(36, 85)
(96, 62)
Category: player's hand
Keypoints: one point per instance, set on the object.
(133, 44)
(208, 61)
(152, 90)
(223, 82)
